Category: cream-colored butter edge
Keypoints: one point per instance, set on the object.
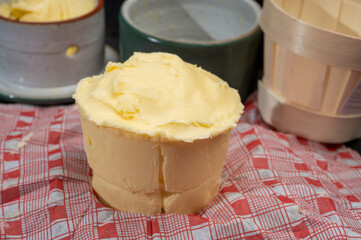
(124, 200)
(187, 165)
(149, 202)
(194, 200)
(109, 154)
(187, 202)
(180, 165)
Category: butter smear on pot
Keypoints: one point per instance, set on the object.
(45, 10)
(156, 131)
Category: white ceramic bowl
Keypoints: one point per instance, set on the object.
(34, 65)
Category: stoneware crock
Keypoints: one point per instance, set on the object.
(34, 64)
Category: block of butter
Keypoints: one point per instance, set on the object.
(45, 10)
(156, 131)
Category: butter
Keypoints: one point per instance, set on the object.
(129, 161)
(187, 202)
(126, 200)
(156, 131)
(70, 51)
(45, 10)
(161, 96)
(193, 200)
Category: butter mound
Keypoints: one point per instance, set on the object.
(46, 10)
(161, 96)
(156, 132)
(136, 174)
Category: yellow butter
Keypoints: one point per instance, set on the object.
(156, 131)
(161, 96)
(139, 174)
(46, 10)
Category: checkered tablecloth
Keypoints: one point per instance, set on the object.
(274, 186)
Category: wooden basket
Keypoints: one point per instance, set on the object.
(313, 64)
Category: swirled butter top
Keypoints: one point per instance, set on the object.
(45, 10)
(160, 95)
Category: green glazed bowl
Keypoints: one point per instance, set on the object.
(221, 36)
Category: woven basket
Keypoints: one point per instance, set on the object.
(312, 70)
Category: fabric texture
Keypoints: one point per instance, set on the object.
(274, 186)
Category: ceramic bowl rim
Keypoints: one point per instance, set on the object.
(124, 16)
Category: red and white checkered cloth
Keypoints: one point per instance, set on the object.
(275, 186)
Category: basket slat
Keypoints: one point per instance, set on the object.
(294, 8)
(305, 85)
(321, 13)
(269, 54)
(305, 82)
(350, 18)
(334, 83)
(352, 81)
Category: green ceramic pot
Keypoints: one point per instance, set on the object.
(220, 36)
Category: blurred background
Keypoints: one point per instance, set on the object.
(112, 38)
(112, 8)
(112, 21)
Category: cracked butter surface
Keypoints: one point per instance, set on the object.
(159, 95)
